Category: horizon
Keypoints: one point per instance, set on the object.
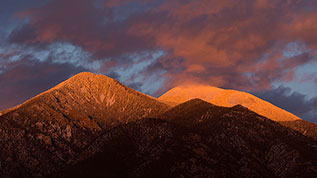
(186, 86)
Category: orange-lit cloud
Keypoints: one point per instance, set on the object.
(228, 43)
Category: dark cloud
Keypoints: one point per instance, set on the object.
(294, 102)
(22, 34)
(29, 78)
(82, 23)
(219, 41)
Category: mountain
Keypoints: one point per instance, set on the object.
(198, 139)
(93, 126)
(48, 131)
(96, 96)
(304, 127)
(229, 98)
(226, 98)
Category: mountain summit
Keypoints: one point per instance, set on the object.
(226, 98)
(93, 95)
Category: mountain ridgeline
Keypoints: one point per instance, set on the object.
(93, 126)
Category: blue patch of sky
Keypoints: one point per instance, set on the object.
(67, 53)
(132, 73)
(60, 53)
(306, 87)
(8, 50)
(126, 10)
(153, 83)
(293, 49)
(140, 61)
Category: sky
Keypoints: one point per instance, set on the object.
(264, 47)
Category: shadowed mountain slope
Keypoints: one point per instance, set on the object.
(198, 139)
(48, 131)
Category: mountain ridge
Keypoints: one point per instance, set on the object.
(226, 98)
(83, 76)
(198, 139)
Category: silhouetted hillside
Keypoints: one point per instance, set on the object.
(198, 139)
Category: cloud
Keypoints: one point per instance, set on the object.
(29, 78)
(231, 36)
(79, 22)
(294, 102)
(235, 36)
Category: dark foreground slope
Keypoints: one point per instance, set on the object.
(198, 139)
(49, 131)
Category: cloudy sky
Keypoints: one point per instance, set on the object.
(265, 47)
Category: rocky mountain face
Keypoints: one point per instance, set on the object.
(274, 147)
(304, 127)
(198, 139)
(50, 130)
(93, 126)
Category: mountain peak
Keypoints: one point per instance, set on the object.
(91, 89)
(226, 98)
(196, 101)
(89, 76)
(84, 77)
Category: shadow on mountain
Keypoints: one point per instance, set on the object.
(198, 139)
